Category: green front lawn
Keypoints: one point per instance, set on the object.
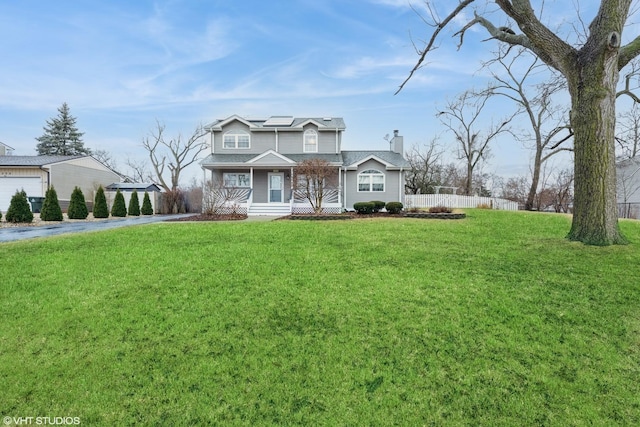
(491, 320)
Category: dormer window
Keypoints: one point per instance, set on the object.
(310, 141)
(236, 139)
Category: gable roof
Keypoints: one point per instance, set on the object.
(391, 160)
(34, 161)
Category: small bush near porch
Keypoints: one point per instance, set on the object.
(495, 320)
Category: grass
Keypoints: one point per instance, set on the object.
(492, 320)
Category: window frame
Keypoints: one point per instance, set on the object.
(236, 134)
(369, 175)
(237, 181)
(307, 133)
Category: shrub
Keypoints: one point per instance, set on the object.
(134, 204)
(77, 205)
(119, 208)
(393, 207)
(363, 207)
(147, 209)
(19, 210)
(378, 205)
(51, 207)
(100, 208)
(484, 206)
(440, 209)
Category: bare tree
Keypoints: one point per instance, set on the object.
(628, 137)
(312, 180)
(104, 157)
(425, 168)
(461, 117)
(591, 69)
(548, 122)
(138, 171)
(173, 155)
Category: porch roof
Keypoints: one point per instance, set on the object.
(228, 160)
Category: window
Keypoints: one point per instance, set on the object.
(371, 180)
(236, 179)
(310, 141)
(236, 139)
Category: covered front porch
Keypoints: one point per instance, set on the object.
(262, 191)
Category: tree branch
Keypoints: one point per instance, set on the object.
(439, 26)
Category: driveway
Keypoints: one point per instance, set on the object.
(9, 234)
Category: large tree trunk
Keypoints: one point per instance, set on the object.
(535, 179)
(595, 212)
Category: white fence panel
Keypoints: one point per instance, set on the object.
(456, 201)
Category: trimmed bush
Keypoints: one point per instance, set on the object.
(378, 205)
(19, 210)
(394, 207)
(119, 208)
(100, 208)
(51, 207)
(364, 207)
(77, 205)
(134, 205)
(147, 209)
(440, 209)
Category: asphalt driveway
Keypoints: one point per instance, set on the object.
(10, 234)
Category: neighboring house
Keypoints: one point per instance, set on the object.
(628, 187)
(257, 158)
(126, 188)
(5, 150)
(35, 174)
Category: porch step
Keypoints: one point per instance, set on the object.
(269, 209)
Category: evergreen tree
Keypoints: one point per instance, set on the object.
(61, 136)
(119, 207)
(51, 207)
(19, 210)
(77, 205)
(100, 208)
(134, 204)
(147, 209)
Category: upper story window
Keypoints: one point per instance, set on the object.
(371, 180)
(236, 139)
(310, 141)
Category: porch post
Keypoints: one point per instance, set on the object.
(339, 187)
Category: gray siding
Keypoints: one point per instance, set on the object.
(260, 141)
(65, 177)
(393, 191)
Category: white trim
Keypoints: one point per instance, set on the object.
(304, 140)
(236, 133)
(371, 175)
(372, 157)
(269, 189)
(218, 126)
(268, 152)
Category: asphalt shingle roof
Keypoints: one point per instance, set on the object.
(33, 160)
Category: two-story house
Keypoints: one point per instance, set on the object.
(258, 157)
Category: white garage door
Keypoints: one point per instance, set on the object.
(9, 186)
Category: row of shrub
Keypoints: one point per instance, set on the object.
(376, 206)
(19, 210)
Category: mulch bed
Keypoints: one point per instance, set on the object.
(206, 217)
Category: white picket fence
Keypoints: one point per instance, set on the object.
(455, 201)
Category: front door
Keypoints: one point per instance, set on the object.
(276, 187)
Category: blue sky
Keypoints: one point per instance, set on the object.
(122, 65)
